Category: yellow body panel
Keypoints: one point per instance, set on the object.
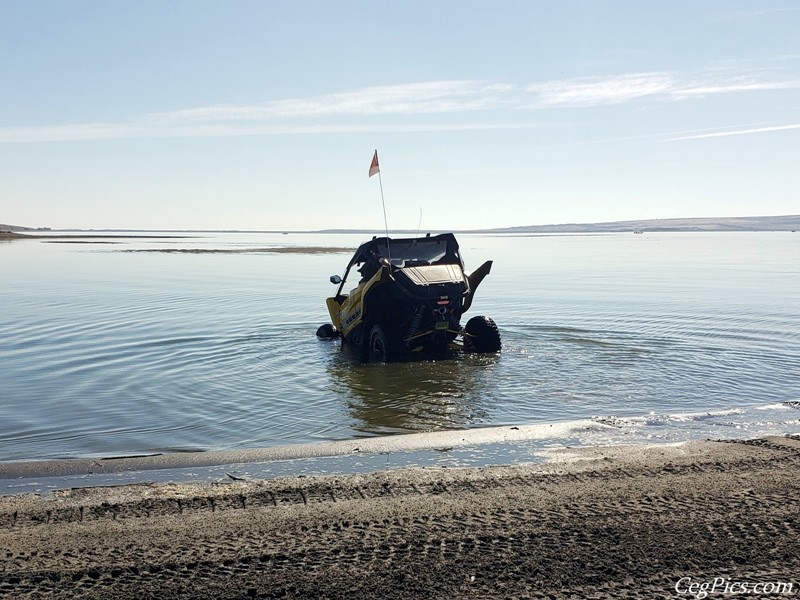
(347, 315)
(333, 310)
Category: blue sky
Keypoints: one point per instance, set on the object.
(265, 114)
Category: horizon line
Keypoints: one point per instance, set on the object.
(509, 229)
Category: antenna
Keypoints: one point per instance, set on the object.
(419, 225)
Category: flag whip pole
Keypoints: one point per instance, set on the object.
(383, 202)
(373, 169)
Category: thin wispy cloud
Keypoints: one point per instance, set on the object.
(82, 132)
(733, 87)
(371, 108)
(416, 98)
(750, 131)
(595, 91)
(286, 116)
(599, 90)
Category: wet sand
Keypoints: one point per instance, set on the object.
(107, 239)
(77, 237)
(624, 522)
(270, 249)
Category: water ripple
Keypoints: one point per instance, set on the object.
(109, 353)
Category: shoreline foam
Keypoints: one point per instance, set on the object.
(437, 441)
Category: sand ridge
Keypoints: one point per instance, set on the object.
(590, 523)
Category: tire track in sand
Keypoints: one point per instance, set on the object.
(612, 527)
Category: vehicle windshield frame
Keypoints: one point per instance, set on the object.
(436, 249)
(440, 249)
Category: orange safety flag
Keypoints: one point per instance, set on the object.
(373, 168)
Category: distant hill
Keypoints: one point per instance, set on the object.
(18, 228)
(780, 223)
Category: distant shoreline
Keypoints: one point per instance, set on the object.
(708, 224)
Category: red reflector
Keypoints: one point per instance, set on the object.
(440, 302)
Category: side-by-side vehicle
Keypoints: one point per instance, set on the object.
(409, 299)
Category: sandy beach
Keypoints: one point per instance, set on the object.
(632, 522)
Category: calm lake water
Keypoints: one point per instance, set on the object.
(108, 350)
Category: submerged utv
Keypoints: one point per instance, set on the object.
(409, 299)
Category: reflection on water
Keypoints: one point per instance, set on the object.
(402, 397)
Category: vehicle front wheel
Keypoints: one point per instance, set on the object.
(327, 332)
(482, 335)
(381, 346)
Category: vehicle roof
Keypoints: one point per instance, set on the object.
(377, 246)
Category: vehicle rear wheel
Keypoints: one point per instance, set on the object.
(381, 345)
(483, 335)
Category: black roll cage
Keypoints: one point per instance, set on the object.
(402, 252)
